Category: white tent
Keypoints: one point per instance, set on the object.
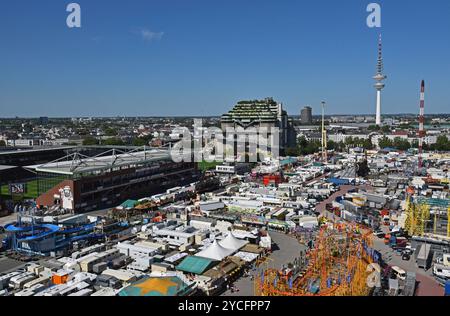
(232, 242)
(215, 251)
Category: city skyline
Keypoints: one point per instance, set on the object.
(157, 59)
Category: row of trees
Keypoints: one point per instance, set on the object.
(442, 144)
(305, 147)
(115, 141)
(398, 142)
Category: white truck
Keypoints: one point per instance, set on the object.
(441, 271)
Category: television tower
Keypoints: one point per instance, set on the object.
(421, 122)
(324, 136)
(379, 78)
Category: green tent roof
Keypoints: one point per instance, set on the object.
(196, 265)
(129, 204)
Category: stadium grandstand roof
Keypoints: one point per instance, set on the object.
(77, 163)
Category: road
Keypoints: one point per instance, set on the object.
(427, 286)
(285, 250)
(343, 189)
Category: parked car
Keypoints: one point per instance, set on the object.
(406, 256)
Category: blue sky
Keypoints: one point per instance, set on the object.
(196, 57)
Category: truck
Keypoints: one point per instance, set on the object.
(397, 242)
(442, 271)
(423, 256)
(339, 181)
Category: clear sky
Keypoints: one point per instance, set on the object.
(199, 57)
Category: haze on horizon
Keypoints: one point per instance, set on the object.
(179, 58)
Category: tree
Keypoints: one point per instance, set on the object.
(367, 144)
(139, 141)
(385, 142)
(442, 143)
(386, 129)
(363, 169)
(401, 143)
(292, 151)
(110, 132)
(90, 141)
(113, 142)
(305, 147)
(142, 141)
(2, 143)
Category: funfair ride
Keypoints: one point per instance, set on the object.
(336, 266)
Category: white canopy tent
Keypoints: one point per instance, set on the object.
(215, 252)
(231, 242)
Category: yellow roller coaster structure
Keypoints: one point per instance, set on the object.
(419, 214)
(337, 266)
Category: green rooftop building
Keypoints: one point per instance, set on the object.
(261, 114)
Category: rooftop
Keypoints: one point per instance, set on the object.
(112, 159)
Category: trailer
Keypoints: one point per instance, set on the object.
(4, 279)
(17, 282)
(423, 256)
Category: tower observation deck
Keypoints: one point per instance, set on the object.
(379, 84)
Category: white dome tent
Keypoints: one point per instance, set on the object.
(215, 252)
(232, 242)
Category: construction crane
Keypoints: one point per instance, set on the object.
(324, 136)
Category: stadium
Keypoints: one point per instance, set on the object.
(91, 178)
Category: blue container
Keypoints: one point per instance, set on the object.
(447, 288)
